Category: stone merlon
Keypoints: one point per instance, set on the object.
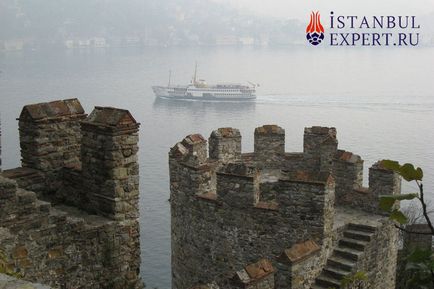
(299, 252)
(225, 144)
(51, 110)
(253, 273)
(111, 119)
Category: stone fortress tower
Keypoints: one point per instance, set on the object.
(69, 214)
(272, 219)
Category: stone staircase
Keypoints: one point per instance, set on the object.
(343, 260)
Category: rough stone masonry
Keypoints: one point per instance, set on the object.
(69, 214)
(277, 220)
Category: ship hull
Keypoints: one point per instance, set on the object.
(181, 93)
(209, 98)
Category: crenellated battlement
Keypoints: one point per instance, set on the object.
(320, 159)
(77, 194)
(265, 200)
(320, 146)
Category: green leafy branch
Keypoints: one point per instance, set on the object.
(387, 203)
(420, 262)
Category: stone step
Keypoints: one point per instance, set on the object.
(347, 253)
(341, 263)
(318, 286)
(362, 227)
(43, 206)
(327, 282)
(26, 197)
(336, 273)
(353, 244)
(358, 235)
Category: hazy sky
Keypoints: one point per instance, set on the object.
(299, 8)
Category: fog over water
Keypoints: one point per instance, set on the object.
(297, 9)
(380, 100)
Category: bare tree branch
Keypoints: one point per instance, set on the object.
(424, 207)
(412, 232)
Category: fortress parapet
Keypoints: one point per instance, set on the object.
(242, 207)
(69, 215)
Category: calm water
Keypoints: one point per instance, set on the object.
(381, 102)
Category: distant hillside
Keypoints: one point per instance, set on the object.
(167, 22)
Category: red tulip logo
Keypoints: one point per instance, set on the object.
(315, 30)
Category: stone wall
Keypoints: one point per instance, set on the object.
(222, 197)
(50, 138)
(296, 263)
(348, 172)
(231, 226)
(348, 169)
(85, 234)
(110, 164)
(234, 208)
(225, 145)
(379, 258)
(269, 145)
(319, 147)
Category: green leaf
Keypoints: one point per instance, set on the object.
(391, 165)
(387, 201)
(398, 216)
(419, 174)
(402, 197)
(409, 173)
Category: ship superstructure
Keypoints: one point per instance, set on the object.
(198, 89)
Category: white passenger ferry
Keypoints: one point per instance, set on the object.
(198, 89)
